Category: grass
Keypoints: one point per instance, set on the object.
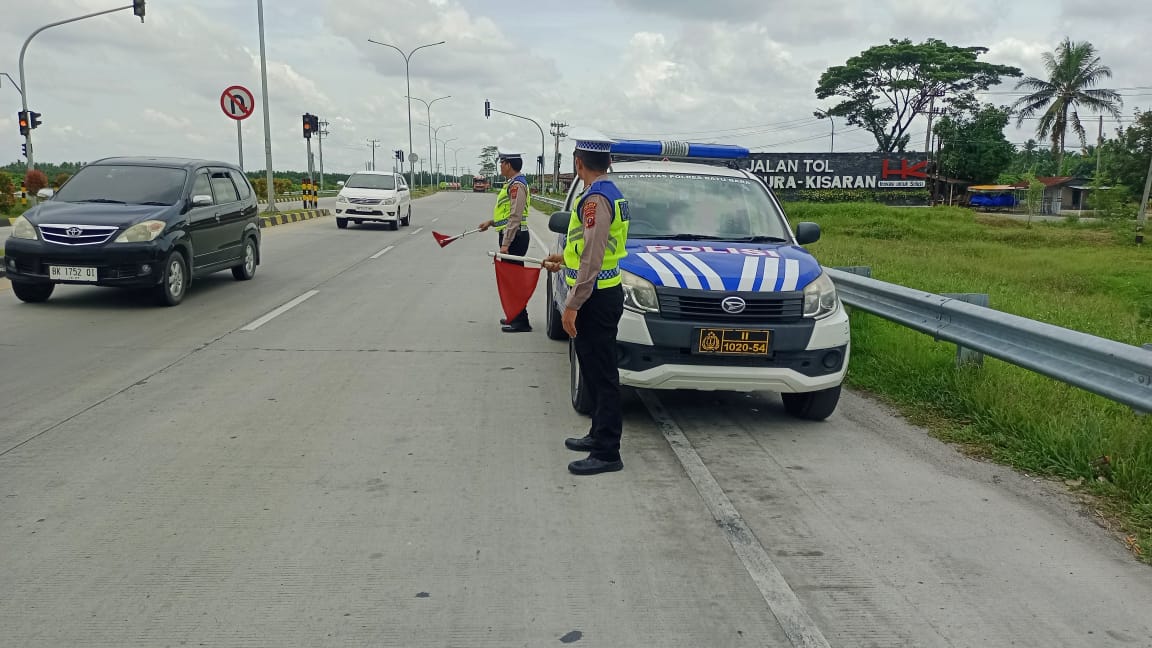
(1087, 277)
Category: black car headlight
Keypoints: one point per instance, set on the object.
(142, 232)
(639, 293)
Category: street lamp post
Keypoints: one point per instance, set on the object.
(445, 156)
(824, 114)
(408, 79)
(436, 137)
(428, 105)
(269, 185)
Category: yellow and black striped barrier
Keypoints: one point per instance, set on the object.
(283, 218)
(310, 194)
(23, 195)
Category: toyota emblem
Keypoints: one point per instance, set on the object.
(75, 231)
(733, 305)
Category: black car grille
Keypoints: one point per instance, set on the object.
(77, 234)
(682, 304)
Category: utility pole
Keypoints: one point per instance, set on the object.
(557, 131)
(1142, 218)
(321, 133)
(1099, 148)
(374, 144)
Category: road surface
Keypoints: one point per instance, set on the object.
(378, 465)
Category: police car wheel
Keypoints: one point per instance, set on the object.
(554, 324)
(342, 223)
(581, 399)
(812, 406)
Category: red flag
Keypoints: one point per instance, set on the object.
(443, 239)
(516, 284)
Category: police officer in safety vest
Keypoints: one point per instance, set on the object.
(597, 232)
(510, 220)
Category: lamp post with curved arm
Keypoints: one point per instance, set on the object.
(428, 105)
(408, 79)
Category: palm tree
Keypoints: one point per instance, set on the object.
(1073, 71)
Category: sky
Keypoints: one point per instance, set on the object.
(732, 71)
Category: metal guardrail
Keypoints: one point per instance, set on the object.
(551, 202)
(1114, 370)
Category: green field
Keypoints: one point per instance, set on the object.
(1090, 278)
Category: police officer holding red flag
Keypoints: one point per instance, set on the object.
(510, 218)
(597, 233)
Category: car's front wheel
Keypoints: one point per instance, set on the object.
(174, 284)
(246, 270)
(813, 406)
(341, 222)
(407, 220)
(581, 398)
(33, 293)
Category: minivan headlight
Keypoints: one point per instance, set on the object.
(820, 297)
(142, 232)
(340, 198)
(639, 293)
(23, 229)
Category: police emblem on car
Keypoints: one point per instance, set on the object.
(733, 305)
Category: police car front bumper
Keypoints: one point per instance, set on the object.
(807, 355)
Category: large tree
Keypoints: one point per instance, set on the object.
(887, 86)
(488, 156)
(973, 147)
(1073, 72)
(1126, 157)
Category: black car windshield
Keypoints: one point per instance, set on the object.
(370, 181)
(130, 184)
(687, 205)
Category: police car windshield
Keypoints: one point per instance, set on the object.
(370, 181)
(691, 206)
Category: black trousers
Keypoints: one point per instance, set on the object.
(519, 247)
(596, 326)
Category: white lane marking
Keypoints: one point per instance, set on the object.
(748, 274)
(666, 276)
(539, 241)
(782, 601)
(435, 219)
(691, 280)
(418, 230)
(791, 274)
(280, 311)
(382, 252)
(771, 272)
(714, 280)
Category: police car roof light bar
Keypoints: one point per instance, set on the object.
(670, 149)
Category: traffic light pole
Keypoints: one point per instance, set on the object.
(24, 80)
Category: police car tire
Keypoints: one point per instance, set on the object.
(581, 399)
(812, 406)
(554, 322)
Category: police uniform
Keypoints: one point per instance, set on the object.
(597, 233)
(510, 220)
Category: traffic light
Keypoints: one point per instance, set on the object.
(22, 119)
(138, 8)
(311, 124)
(24, 149)
(35, 119)
(487, 109)
(400, 155)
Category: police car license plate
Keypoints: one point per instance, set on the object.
(717, 341)
(71, 273)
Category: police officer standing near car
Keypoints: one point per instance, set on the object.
(594, 245)
(510, 219)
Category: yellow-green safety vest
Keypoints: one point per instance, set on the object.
(503, 207)
(617, 236)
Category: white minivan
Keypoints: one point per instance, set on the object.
(380, 196)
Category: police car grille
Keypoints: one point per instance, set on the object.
(684, 305)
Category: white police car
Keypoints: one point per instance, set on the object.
(719, 293)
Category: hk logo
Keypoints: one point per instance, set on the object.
(905, 171)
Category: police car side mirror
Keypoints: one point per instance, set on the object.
(807, 233)
(559, 222)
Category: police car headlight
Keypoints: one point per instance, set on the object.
(341, 199)
(22, 229)
(820, 297)
(639, 294)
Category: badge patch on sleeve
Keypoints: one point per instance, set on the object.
(589, 215)
(512, 191)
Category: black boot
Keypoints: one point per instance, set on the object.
(594, 466)
(583, 444)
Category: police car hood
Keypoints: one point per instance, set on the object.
(721, 266)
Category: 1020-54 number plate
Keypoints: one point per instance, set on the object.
(717, 341)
